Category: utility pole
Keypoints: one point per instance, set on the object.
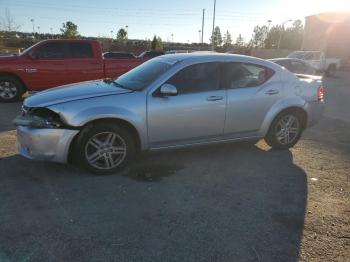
(212, 33)
(32, 20)
(203, 25)
(281, 32)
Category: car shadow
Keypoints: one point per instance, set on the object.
(236, 202)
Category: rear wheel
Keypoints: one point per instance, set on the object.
(285, 130)
(105, 148)
(11, 89)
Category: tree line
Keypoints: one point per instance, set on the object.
(263, 37)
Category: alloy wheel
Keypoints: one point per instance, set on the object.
(105, 150)
(7, 90)
(287, 129)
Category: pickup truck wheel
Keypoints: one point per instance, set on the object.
(285, 131)
(105, 148)
(11, 89)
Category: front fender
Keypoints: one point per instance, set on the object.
(278, 107)
(80, 113)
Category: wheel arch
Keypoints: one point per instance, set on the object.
(118, 121)
(15, 76)
(275, 111)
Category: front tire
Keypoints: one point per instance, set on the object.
(285, 131)
(11, 89)
(105, 148)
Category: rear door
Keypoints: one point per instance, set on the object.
(251, 91)
(196, 114)
(83, 62)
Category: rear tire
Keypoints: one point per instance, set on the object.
(11, 89)
(285, 130)
(105, 148)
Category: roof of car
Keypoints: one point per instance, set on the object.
(212, 57)
(287, 59)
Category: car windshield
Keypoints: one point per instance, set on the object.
(143, 75)
(27, 50)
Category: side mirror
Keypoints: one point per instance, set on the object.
(168, 90)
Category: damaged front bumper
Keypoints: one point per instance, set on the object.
(45, 144)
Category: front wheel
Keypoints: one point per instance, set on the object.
(11, 89)
(105, 148)
(285, 130)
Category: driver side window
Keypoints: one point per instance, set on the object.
(51, 51)
(197, 78)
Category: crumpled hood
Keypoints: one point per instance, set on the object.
(73, 92)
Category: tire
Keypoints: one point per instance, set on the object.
(105, 148)
(11, 89)
(277, 136)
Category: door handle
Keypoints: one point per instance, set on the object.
(215, 98)
(272, 92)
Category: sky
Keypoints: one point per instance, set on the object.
(145, 18)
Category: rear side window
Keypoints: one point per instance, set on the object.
(241, 75)
(53, 50)
(197, 78)
(80, 50)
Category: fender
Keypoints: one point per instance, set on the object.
(278, 107)
(85, 116)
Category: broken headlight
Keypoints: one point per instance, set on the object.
(38, 118)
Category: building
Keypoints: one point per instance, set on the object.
(328, 32)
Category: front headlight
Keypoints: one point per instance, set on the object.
(39, 118)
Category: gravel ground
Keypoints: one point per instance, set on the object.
(236, 202)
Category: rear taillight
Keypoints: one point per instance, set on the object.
(320, 93)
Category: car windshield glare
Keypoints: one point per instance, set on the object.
(143, 75)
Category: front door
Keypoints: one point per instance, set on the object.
(48, 68)
(195, 114)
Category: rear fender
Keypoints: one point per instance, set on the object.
(279, 107)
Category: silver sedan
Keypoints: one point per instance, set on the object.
(169, 102)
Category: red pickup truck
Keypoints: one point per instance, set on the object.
(53, 63)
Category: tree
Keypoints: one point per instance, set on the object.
(216, 39)
(291, 38)
(122, 36)
(227, 40)
(156, 43)
(259, 35)
(69, 30)
(8, 22)
(239, 41)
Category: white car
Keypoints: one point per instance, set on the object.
(318, 61)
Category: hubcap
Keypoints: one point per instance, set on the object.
(287, 129)
(105, 150)
(7, 90)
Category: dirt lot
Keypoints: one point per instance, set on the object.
(236, 202)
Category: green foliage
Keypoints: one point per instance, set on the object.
(69, 30)
(291, 37)
(227, 40)
(122, 36)
(156, 43)
(239, 42)
(216, 39)
(259, 36)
